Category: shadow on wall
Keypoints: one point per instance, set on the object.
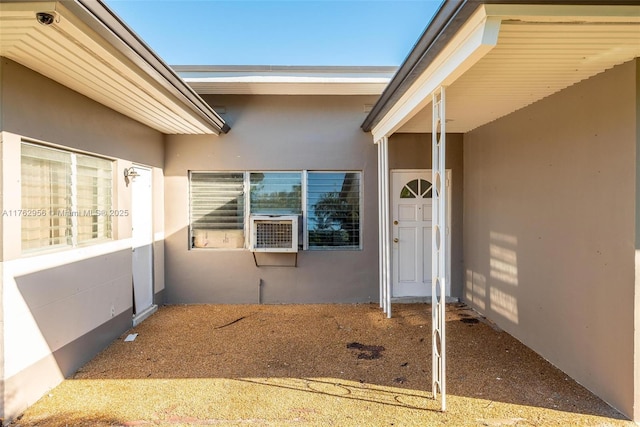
(59, 317)
(498, 298)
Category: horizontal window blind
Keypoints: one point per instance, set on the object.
(333, 209)
(46, 197)
(217, 201)
(218, 216)
(94, 196)
(66, 199)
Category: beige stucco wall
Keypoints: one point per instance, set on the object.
(549, 221)
(413, 151)
(61, 307)
(636, 304)
(277, 133)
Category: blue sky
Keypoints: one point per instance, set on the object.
(286, 32)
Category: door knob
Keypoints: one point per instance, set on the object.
(395, 240)
(395, 222)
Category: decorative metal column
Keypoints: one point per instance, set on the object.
(439, 250)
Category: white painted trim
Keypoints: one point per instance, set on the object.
(289, 85)
(303, 195)
(564, 13)
(384, 255)
(474, 40)
(141, 317)
(288, 79)
(387, 227)
(380, 258)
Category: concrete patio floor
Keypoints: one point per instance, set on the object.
(315, 365)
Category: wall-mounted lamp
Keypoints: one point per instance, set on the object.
(130, 174)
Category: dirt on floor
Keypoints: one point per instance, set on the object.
(315, 365)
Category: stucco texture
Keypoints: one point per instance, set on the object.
(549, 220)
(273, 133)
(56, 303)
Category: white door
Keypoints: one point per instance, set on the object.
(142, 237)
(412, 201)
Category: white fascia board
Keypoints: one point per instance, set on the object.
(286, 79)
(474, 40)
(565, 13)
(288, 85)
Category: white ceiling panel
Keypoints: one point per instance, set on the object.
(71, 53)
(531, 61)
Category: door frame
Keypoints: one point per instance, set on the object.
(448, 186)
(141, 315)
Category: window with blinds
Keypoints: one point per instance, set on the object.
(331, 201)
(94, 196)
(216, 209)
(66, 198)
(333, 210)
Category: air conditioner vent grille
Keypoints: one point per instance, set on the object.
(277, 233)
(274, 235)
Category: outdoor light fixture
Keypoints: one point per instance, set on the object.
(130, 174)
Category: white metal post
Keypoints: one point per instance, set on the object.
(385, 207)
(384, 269)
(439, 248)
(380, 230)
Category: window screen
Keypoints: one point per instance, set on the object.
(219, 219)
(94, 196)
(333, 210)
(66, 197)
(46, 197)
(276, 193)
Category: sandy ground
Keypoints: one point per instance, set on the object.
(315, 365)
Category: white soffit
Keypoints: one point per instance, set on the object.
(476, 37)
(271, 80)
(540, 51)
(71, 53)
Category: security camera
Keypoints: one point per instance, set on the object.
(46, 18)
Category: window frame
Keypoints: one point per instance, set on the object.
(245, 218)
(75, 210)
(360, 212)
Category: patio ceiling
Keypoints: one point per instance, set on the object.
(88, 49)
(505, 57)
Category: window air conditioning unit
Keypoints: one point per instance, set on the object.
(277, 233)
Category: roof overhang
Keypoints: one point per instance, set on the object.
(286, 80)
(90, 50)
(500, 58)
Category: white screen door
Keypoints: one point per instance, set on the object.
(142, 237)
(411, 216)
